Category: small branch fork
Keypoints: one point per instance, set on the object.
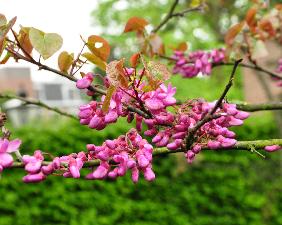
(240, 145)
(171, 14)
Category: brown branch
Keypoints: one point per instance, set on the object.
(254, 67)
(38, 103)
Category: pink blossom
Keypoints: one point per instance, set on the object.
(85, 82)
(7, 147)
(272, 148)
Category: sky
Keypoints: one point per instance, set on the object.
(69, 18)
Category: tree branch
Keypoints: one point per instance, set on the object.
(254, 67)
(240, 145)
(38, 103)
(171, 14)
(260, 107)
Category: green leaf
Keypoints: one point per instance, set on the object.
(3, 20)
(95, 60)
(45, 43)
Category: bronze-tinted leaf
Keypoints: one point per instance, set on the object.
(135, 24)
(106, 104)
(65, 61)
(95, 60)
(233, 32)
(251, 18)
(24, 40)
(99, 47)
(116, 74)
(182, 47)
(134, 59)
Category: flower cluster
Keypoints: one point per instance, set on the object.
(197, 62)
(6, 148)
(70, 165)
(156, 101)
(92, 114)
(127, 152)
(214, 134)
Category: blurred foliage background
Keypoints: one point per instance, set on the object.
(222, 188)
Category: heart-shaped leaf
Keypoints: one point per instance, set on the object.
(99, 47)
(64, 61)
(45, 43)
(135, 24)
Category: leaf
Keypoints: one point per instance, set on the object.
(4, 31)
(260, 50)
(159, 70)
(251, 18)
(3, 20)
(267, 27)
(156, 44)
(95, 60)
(106, 104)
(99, 47)
(116, 74)
(6, 58)
(135, 24)
(24, 39)
(65, 61)
(233, 32)
(155, 73)
(47, 44)
(182, 47)
(134, 59)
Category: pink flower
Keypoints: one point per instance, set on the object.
(7, 147)
(272, 148)
(85, 82)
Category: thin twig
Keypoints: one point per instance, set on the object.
(38, 103)
(171, 14)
